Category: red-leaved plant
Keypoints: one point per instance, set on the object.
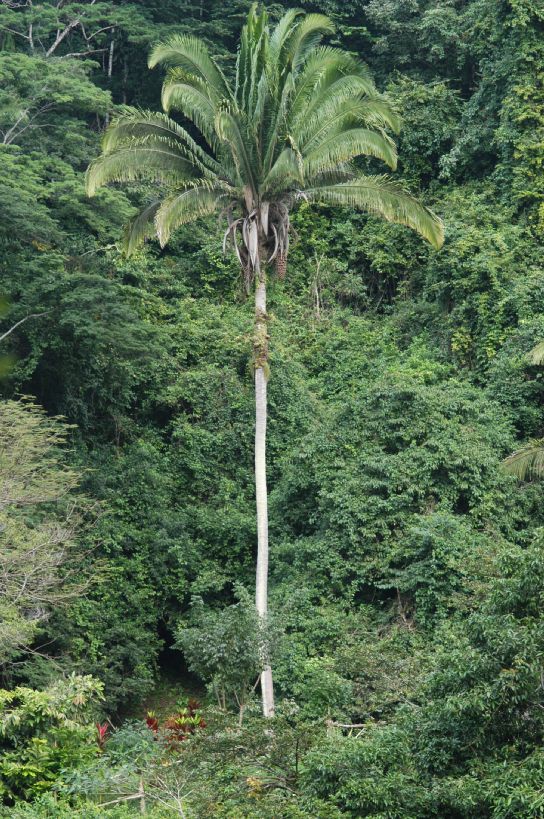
(181, 724)
(102, 733)
(152, 721)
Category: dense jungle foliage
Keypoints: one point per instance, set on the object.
(406, 563)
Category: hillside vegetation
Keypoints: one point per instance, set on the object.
(406, 574)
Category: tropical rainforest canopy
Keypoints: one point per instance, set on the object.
(403, 622)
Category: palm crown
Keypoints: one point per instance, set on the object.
(288, 129)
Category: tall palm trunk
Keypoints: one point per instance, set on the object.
(261, 378)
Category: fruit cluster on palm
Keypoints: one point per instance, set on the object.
(290, 127)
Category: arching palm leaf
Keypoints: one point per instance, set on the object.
(141, 227)
(154, 163)
(302, 39)
(190, 53)
(186, 206)
(536, 356)
(527, 461)
(133, 127)
(381, 197)
(345, 146)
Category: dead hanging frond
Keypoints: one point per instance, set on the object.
(243, 237)
(262, 234)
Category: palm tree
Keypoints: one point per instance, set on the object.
(288, 129)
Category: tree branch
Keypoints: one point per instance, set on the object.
(83, 53)
(21, 321)
(65, 31)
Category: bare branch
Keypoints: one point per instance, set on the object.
(83, 53)
(96, 33)
(62, 34)
(21, 321)
(15, 33)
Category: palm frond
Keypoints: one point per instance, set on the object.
(278, 125)
(132, 127)
(136, 162)
(379, 113)
(346, 146)
(380, 196)
(527, 461)
(140, 228)
(334, 115)
(186, 206)
(287, 171)
(325, 103)
(283, 29)
(190, 53)
(323, 67)
(188, 95)
(305, 37)
(263, 106)
(230, 130)
(536, 355)
(252, 58)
